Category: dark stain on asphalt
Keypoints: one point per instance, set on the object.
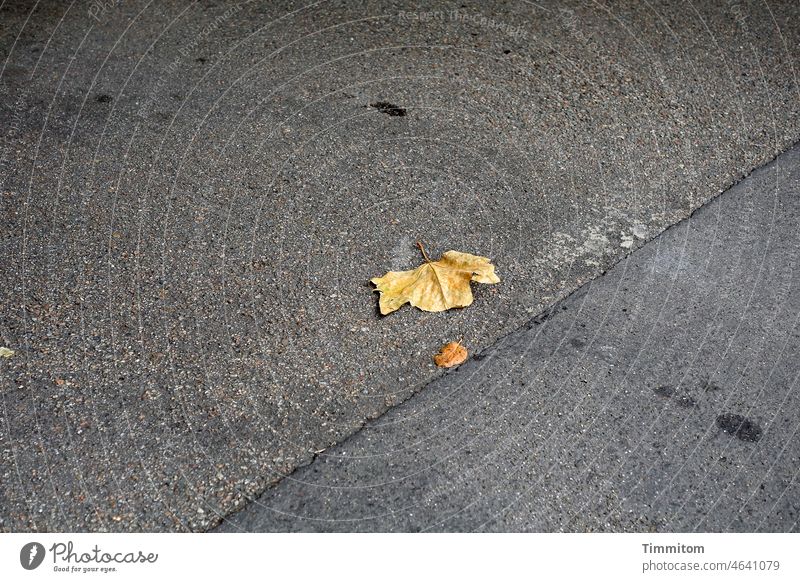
(685, 401)
(739, 426)
(664, 391)
(389, 109)
(576, 343)
(103, 98)
(541, 318)
(708, 386)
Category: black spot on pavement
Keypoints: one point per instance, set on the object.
(664, 391)
(739, 426)
(576, 343)
(505, 52)
(541, 318)
(708, 386)
(103, 98)
(686, 401)
(389, 109)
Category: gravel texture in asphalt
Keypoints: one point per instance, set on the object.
(195, 195)
(663, 396)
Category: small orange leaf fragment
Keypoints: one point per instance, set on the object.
(451, 354)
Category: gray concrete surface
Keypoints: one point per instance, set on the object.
(195, 196)
(662, 396)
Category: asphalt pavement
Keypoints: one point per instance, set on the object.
(663, 396)
(195, 195)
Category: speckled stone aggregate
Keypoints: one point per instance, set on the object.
(194, 196)
(661, 397)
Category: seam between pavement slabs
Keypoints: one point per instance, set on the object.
(537, 319)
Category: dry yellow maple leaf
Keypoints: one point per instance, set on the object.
(451, 354)
(435, 285)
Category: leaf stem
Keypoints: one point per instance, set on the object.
(422, 250)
